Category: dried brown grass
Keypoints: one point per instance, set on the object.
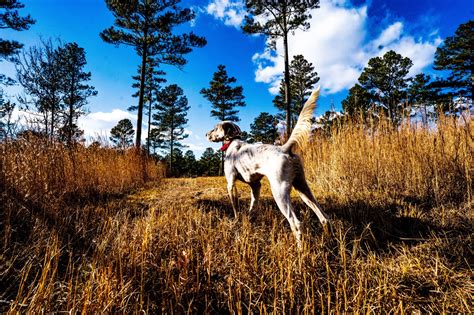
(400, 241)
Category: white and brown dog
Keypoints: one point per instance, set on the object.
(284, 170)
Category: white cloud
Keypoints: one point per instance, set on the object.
(99, 124)
(392, 38)
(389, 35)
(331, 44)
(232, 13)
(25, 119)
(198, 147)
(421, 53)
(336, 44)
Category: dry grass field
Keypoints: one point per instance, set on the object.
(400, 239)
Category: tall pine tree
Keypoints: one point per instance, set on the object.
(171, 111)
(277, 19)
(456, 55)
(223, 97)
(302, 80)
(153, 80)
(39, 71)
(56, 87)
(147, 26)
(9, 18)
(385, 78)
(76, 91)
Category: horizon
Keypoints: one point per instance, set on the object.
(354, 32)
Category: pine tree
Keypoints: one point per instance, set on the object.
(72, 60)
(456, 55)
(7, 124)
(302, 80)
(153, 80)
(264, 128)
(171, 110)
(39, 71)
(177, 160)
(55, 83)
(9, 18)
(328, 122)
(190, 164)
(385, 78)
(147, 25)
(223, 97)
(122, 134)
(357, 102)
(209, 162)
(154, 140)
(421, 92)
(279, 19)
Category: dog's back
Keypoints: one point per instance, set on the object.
(251, 161)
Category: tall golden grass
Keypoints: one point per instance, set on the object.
(431, 165)
(41, 171)
(400, 239)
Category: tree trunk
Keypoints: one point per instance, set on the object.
(287, 87)
(53, 117)
(71, 112)
(149, 126)
(472, 79)
(171, 145)
(221, 165)
(138, 139)
(425, 118)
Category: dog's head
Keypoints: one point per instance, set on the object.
(225, 130)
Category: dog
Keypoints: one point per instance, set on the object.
(251, 162)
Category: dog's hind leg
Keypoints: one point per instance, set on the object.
(256, 186)
(302, 187)
(281, 193)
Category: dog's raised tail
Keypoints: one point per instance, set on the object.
(302, 130)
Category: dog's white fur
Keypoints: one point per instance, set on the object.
(284, 170)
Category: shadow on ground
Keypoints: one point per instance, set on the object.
(378, 226)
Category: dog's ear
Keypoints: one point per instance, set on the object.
(231, 130)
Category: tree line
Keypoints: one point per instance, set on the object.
(385, 87)
(56, 85)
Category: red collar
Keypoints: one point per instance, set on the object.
(225, 146)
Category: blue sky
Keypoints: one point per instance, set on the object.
(344, 35)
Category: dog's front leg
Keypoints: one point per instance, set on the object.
(234, 199)
(231, 177)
